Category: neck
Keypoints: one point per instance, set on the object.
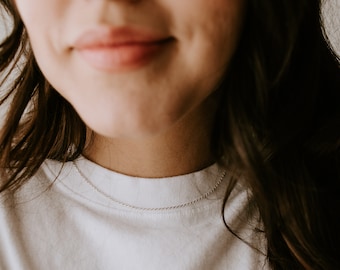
(183, 148)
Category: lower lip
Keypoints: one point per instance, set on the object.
(121, 58)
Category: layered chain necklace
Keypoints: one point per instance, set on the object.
(202, 197)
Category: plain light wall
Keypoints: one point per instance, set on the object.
(331, 17)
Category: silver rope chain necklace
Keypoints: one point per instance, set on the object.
(202, 197)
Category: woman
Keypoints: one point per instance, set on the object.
(133, 123)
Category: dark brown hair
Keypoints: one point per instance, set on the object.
(277, 124)
(40, 124)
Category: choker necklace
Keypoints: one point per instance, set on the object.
(202, 197)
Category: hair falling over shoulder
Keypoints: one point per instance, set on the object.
(278, 124)
(39, 123)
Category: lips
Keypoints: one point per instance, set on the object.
(120, 49)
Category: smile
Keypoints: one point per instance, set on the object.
(119, 49)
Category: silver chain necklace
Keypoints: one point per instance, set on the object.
(202, 197)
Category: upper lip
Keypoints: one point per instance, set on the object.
(117, 36)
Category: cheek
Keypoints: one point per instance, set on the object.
(215, 18)
(45, 22)
(209, 30)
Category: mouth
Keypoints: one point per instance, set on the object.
(120, 49)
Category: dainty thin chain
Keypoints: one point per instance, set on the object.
(202, 197)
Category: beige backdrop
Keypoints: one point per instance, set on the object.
(331, 11)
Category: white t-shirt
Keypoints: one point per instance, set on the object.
(58, 221)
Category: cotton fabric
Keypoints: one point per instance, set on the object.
(58, 221)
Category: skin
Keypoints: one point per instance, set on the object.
(154, 120)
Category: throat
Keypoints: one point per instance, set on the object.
(184, 148)
(149, 159)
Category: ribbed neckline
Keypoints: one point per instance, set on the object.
(136, 191)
